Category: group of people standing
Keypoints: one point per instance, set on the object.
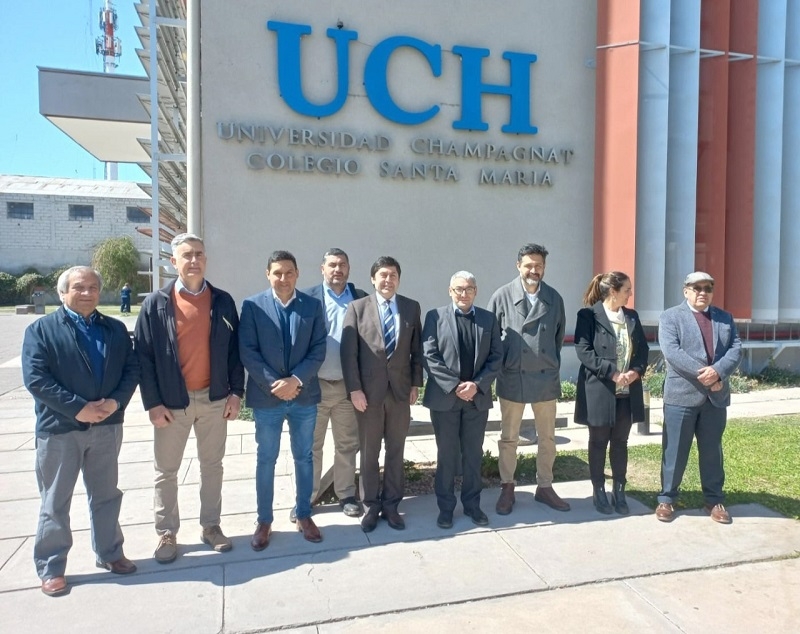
(336, 354)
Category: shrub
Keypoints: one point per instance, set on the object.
(568, 391)
(8, 289)
(772, 376)
(742, 383)
(25, 285)
(52, 277)
(654, 381)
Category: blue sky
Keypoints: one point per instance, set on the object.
(56, 34)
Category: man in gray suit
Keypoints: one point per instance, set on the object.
(702, 349)
(382, 367)
(282, 346)
(462, 353)
(532, 320)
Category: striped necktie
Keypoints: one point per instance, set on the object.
(389, 337)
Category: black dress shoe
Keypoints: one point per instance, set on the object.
(369, 521)
(393, 517)
(445, 520)
(477, 516)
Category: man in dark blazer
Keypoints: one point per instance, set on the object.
(80, 368)
(702, 349)
(336, 293)
(382, 368)
(462, 351)
(282, 346)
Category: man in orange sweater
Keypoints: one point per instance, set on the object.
(186, 339)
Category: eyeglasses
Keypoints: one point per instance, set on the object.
(465, 290)
(702, 289)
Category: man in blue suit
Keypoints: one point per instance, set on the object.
(702, 349)
(282, 346)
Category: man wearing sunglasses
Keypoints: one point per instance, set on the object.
(702, 349)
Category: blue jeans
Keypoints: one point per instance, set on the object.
(269, 423)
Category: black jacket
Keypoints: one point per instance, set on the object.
(596, 347)
(58, 373)
(156, 342)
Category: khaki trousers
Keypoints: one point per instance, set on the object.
(336, 407)
(544, 414)
(211, 431)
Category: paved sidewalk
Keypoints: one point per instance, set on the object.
(536, 568)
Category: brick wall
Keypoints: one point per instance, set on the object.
(51, 240)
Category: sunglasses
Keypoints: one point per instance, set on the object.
(702, 289)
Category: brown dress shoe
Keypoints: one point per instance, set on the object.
(548, 496)
(54, 586)
(717, 513)
(506, 500)
(309, 530)
(261, 537)
(122, 566)
(665, 512)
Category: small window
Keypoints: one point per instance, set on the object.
(81, 212)
(135, 214)
(19, 211)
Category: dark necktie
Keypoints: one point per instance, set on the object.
(389, 337)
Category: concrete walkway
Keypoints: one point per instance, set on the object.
(536, 568)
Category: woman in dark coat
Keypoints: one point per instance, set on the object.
(612, 349)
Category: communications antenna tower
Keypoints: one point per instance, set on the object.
(109, 46)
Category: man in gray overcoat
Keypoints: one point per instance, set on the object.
(702, 349)
(532, 320)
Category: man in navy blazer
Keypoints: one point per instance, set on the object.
(462, 352)
(282, 346)
(336, 294)
(702, 349)
(80, 368)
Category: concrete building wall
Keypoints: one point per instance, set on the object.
(51, 240)
(432, 226)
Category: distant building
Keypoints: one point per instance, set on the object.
(48, 223)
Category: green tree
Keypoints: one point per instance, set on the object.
(117, 260)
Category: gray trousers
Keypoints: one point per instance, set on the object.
(681, 426)
(59, 460)
(336, 407)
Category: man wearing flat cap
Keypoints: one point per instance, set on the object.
(702, 349)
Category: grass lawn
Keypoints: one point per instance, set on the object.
(762, 456)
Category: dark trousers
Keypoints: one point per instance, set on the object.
(386, 421)
(617, 435)
(681, 426)
(459, 442)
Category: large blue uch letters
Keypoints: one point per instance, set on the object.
(518, 90)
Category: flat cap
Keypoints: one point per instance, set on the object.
(697, 276)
